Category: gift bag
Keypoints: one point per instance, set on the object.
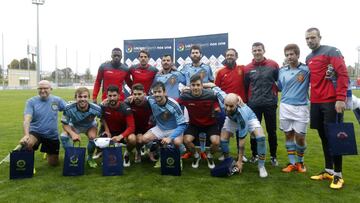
(170, 160)
(112, 161)
(341, 138)
(224, 168)
(74, 161)
(21, 164)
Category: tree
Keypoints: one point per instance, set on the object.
(14, 64)
(88, 76)
(24, 63)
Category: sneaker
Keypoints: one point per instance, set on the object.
(254, 159)
(262, 172)
(300, 167)
(92, 163)
(157, 164)
(323, 176)
(244, 159)
(186, 155)
(196, 160)
(203, 155)
(97, 155)
(137, 158)
(337, 183)
(45, 156)
(181, 165)
(274, 161)
(221, 158)
(34, 171)
(210, 161)
(126, 159)
(289, 168)
(142, 150)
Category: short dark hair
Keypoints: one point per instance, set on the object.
(256, 44)
(137, 86)
(116, 49)
(293, 47)
(232, 49)
(157, 85)
(314, 29)
(195, 78)
(113, 88)
(195, 47)
(167, 55)
(144, 52)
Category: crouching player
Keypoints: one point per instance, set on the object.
(240, 118)
(170, 120)
(119, 122)
(79, 117)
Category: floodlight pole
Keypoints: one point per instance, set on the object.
(38, 2)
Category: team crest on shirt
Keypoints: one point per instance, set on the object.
(172, 81)
(165, 115)
(300, 77)
(54, 106)
(90, 118)
(240, 72)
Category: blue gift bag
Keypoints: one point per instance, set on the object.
(170, 160)
(112, 161)
(21, 164)
(74, 161)
(341, 138)
(224, 168)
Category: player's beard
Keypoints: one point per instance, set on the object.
(230, 63)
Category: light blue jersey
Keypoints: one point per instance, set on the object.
(242, 116)
(294, 85)
(44, 115)
(171, 81)
(169, 116)
(203, 70)
(79, 119)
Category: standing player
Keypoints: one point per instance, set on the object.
(293, 82)
(197, 67)
(171, 78)
(118, 121)
(79, 117)
(111, 73)
(260, 83)
(327, 66)
(143, 72)
(201, 105)
(40, 122)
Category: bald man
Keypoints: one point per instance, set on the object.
(240, 118)
(41, 122)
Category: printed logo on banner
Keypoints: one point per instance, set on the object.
(129, 49)
(180, 47)
(170, 162)
(112, 160)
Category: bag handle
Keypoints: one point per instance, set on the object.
(77, 141)
(339, 117)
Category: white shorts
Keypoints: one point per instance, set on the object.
(294, 118)
(160, 134)
(231, 126)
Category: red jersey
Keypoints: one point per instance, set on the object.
(231, 80)
(142, 114)
(109, 75)
(119, 119)
(201, 108)
(322, 90)
(143, 75)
